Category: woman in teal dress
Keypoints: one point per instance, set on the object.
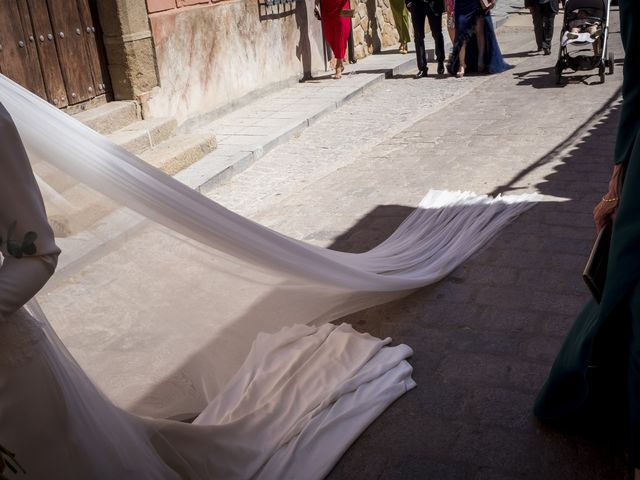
(597, 372)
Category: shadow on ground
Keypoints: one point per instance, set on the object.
(486, 336)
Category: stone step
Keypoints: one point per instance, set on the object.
(179, 152)
(89, 209)
(71, 206)
(144, 134)
(110, 117)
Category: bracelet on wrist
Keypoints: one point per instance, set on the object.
(614, 199)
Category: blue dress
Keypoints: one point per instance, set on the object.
(466, 14)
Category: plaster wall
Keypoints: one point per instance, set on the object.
(210, 55)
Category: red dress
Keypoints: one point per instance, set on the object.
(335, 28)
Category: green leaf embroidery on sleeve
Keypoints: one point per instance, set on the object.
(19, 249)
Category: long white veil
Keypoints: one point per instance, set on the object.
(160, 291)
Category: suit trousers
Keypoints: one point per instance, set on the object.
(543, 17)
(419, 11)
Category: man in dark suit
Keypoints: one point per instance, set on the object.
(432, 10)
(543, 13)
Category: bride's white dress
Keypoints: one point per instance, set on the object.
(294, 407)
(298, 401)
(292, 396)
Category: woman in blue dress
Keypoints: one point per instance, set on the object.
(476, 47)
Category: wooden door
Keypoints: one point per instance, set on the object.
(48, 53)
(18, 55)
(72, 52)
(93, 42)
(54, 48)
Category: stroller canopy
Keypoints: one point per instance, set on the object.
(596, 7)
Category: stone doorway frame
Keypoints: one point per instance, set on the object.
(129, 48)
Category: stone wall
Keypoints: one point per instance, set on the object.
(128, 47)
(373, 27)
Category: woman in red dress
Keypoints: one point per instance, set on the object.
(336, 29)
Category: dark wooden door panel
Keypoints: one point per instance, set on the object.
(72, 52)
(18, 57)
(33, 65)
(54, 48)
(47, 53)
(98, 37)
(93, 41)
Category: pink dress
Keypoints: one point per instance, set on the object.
(451, 19)
(336, 28)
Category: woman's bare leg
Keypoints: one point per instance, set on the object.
(339, 69)
(462, 57)
(481, 43)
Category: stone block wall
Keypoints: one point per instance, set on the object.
(373, 27)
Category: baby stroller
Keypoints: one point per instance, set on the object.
(585, 27)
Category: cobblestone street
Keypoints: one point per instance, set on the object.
(485, 337)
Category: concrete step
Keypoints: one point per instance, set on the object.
(144, 134)
(179, 152)
(71, 206)
(110, 117)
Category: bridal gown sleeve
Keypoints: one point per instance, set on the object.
(20, 201)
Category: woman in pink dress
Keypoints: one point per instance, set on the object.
(336, 28)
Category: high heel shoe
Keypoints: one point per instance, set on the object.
(460, 72)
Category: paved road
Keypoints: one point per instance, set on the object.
(485, 337)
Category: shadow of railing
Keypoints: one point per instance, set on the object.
(276, 9)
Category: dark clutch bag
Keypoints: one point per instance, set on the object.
(595, 272)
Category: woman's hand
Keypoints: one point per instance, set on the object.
(605, 211)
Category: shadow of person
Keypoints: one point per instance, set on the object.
(303, 49)
(538, 78)
(371, 36)
(372, 229)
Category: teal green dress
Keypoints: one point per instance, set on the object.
(597, 372)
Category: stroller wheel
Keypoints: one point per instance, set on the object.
(601, 72)
(612, 60)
